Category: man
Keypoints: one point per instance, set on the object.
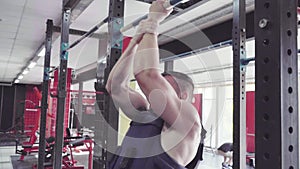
(226, 151)
(199, 155)
(165, 127)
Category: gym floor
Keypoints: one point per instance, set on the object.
(210, 161)
(10, 160)
(5, 153)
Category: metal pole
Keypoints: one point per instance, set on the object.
(169, 66)
(276, 85)
(61, 91)
(239, 84)
(79, 112)
(197, 51)
(218, 112)
(77, 32)
(110, 113)
(1, 102)
(167, 5)
(44, 104)
(87, 34)
(99, 121)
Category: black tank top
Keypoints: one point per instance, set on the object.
(141, 147)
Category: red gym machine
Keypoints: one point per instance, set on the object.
(71, 144)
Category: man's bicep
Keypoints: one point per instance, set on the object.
(186, 118)
(162, 97)
(149, 80)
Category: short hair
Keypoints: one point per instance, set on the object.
(183, 81)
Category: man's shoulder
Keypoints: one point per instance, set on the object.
(188, 108)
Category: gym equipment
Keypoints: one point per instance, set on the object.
(246, 61)
(239, 83)
(61, 86)
(31, 121)
(71, 143)
(89, 33)
(32, 114)
(45, 89)
(168, 5)
(31, 146)
(54, 101)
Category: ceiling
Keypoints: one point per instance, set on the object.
(22, 27)
(22, 32)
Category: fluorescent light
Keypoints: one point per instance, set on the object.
(20, 77)
(42, 53)
(31, 65)
(25, 71)
(17, 81)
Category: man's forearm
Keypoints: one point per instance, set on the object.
(147, 55)
(119, 75)
(117, 85)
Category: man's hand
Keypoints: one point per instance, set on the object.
(145, 26)
(157, 12)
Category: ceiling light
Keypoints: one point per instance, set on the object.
(20, 77)
(25, 71)
(31, 65)
(17, 81)
(42, 53)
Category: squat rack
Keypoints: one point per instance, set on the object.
(276, 80)
(276, 69)
(276, 101)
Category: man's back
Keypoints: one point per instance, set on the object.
(141, 148)
(182, 145)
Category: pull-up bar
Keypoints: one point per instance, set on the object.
(90, 32)
(167, 5)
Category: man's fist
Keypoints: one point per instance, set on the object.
(157, 12)
(145, 26)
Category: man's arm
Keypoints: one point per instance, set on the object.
(117, 84)
(160, 94)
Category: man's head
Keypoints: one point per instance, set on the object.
(182, 84)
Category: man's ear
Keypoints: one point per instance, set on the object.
(184, 96)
